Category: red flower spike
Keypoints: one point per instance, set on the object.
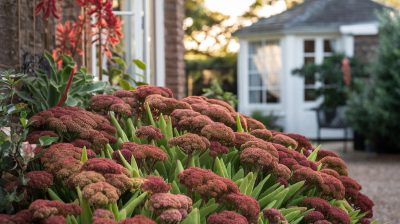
(48, 7)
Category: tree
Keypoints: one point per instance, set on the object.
(374, 111)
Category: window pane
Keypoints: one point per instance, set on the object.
(329, 46)
(310, 94)
(255, 80)
(253, 46)
(309, 46)
(255, 96)
(252, 65)
(273, 96)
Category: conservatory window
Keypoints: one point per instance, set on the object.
(264, 67)
(315, 51)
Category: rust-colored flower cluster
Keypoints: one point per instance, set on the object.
(145, 155)
(155, 184)
(189, 120)
(75, 123)
(226, 217)
(274, 216)
(326, 212)
(105, 103)
(245, 205)
(164, 105)
(149, 133)
(189, 143)
(218, 132)
(43, 209)
(171, 208)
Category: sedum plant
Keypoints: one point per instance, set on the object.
(142, 156)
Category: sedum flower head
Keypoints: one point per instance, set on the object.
(311, 177)
(245, 205)
(330, 172)
(104, 166)
(164, 105)
(243, 137)
(336, 164)
(337, 215)
(100, 194)
(285, 140)
(264, 134)
(84, 178)
(39, 180)
(318, 204)
(332, 188)
(218, 132)
(137, 219)
(216, 149)
(282, 171)
(324, 153)
(313, 216)
(253, 124)
(162, 202)
(274, 216)
(216, 113)
(141, 92)
(33, 137)
(120, 181)
(349, 183)
(42, 209)
(55, 219)
(103, 213)
(193, 124)
(105, 103)
(190, 143)
(267, 146)
(303, 142)
(149, 133)
(257, 158)
(155, 184)
(226, 217)
(145, 152)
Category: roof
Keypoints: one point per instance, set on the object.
(313, 15)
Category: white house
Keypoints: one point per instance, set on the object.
(272, 47)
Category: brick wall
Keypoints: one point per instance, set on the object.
(174, 50)
(365, 48)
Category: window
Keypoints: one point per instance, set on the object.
(264, 66)
(315, 51)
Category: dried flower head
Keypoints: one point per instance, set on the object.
(100, 194)
(206, 183)
(155, 184)
(245, 205)
(226, 217)
(274, 216)
(149, 133)
(336, 164)
(218, 132)
(42, 209)
(190, 143)
(264, 134)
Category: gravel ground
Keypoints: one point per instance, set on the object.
(379, 176)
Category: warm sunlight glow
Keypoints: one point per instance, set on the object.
(229, 7)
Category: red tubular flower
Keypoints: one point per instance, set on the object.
(155, 184)
(316, 203)
(163, 203)
(245, 205)
(164, 105)
(49, 7)
(262, 145)
(33, 137)
(55, 219)
(39, 180)
(100, 194)
(206, 183)
(217, 148)
(84, 178)
(141, 92)
(243, 137)
(137, 219)
(120, 181)
(336, 164)
(42, 209)
(310, 176)
(324, 153)
(105, 103)
(190, 142)
(253, 124)
(226, 217)
(285, 140)
(264, 134)
(337, 215)
(274, 216)
(332, 187)
(218, 132)
(313, 216)
(258, 159)
(104, 166)
(149, 133)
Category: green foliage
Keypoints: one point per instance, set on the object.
(373, 110)
(45, 89)
(215, 91)
(118, 74)
(333, 90)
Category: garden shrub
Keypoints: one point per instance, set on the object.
(142, 156)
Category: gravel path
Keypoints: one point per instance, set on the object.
(380, 177)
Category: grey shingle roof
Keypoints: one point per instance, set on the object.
(316, 15)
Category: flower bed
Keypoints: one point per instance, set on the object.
(144, 157)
